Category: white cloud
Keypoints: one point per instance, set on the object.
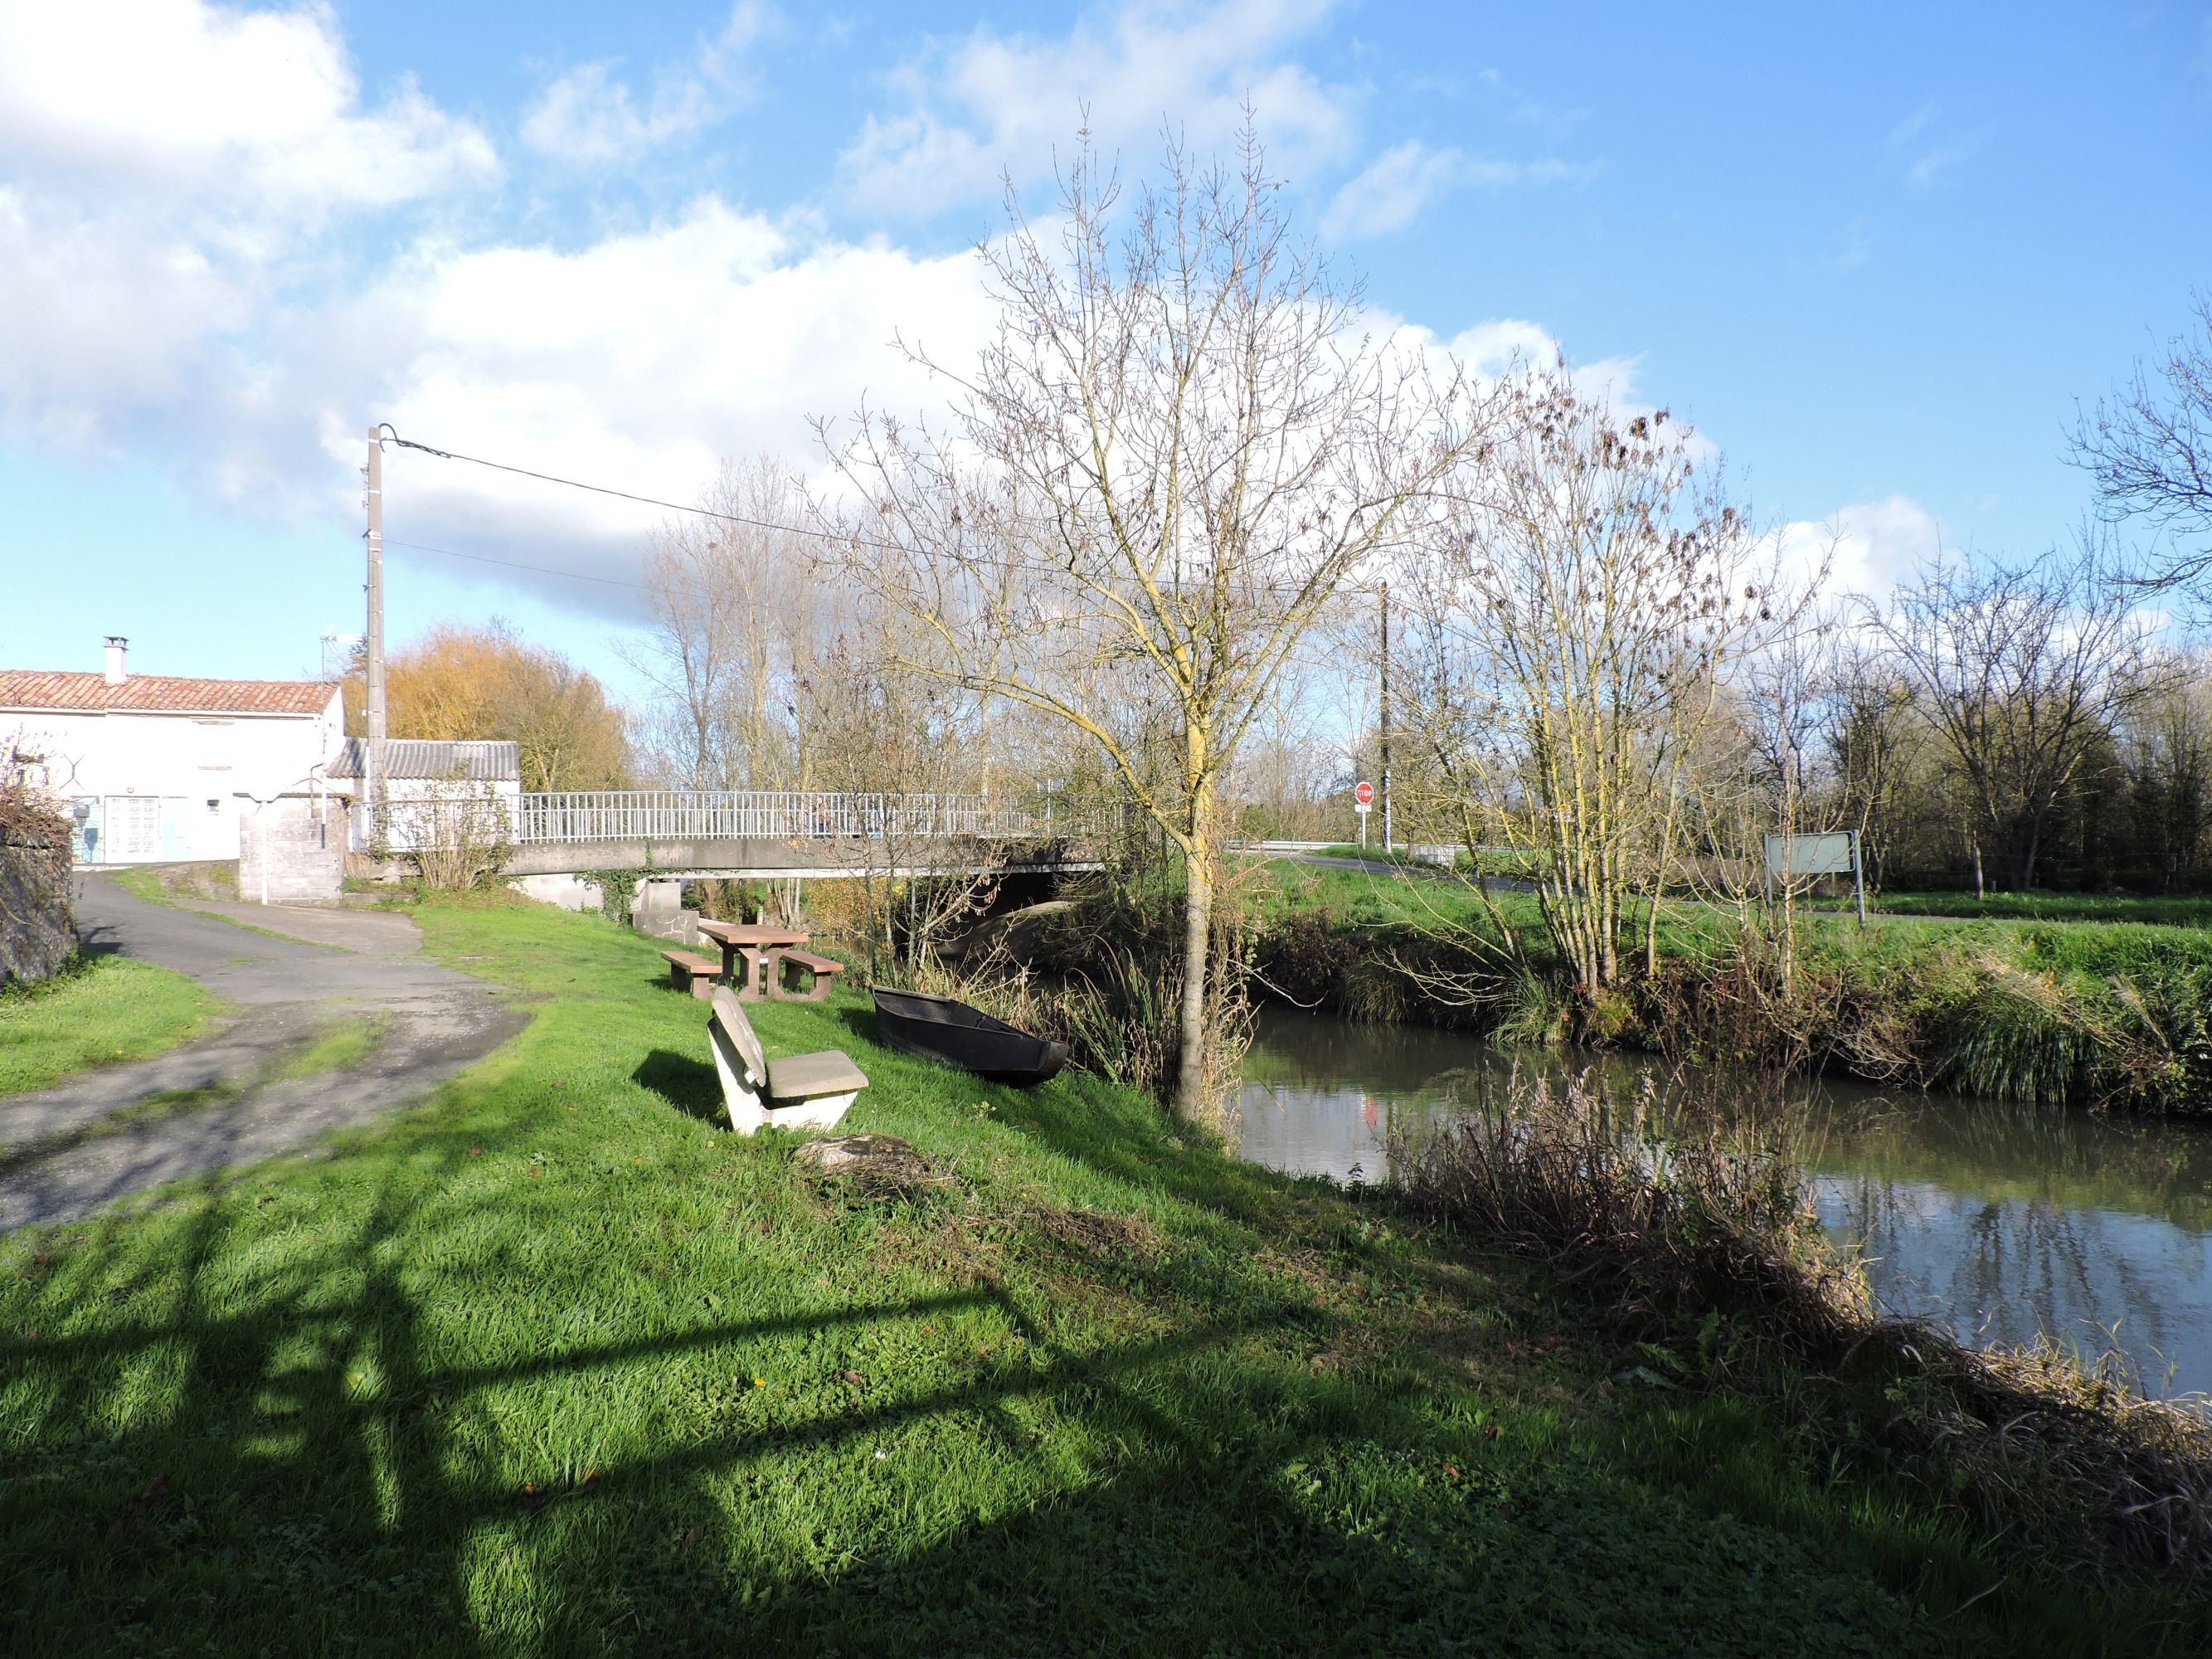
(1867, 549)
(993, 103)
(261, 106)
(1853, 248)
(1507, 344)
(1401, 181)
(169, 166)
(637, 360)
(190, 276)
(590, 117)
(1931, 148)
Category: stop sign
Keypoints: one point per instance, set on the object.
(1364, 793)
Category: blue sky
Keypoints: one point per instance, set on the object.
(1875, 254)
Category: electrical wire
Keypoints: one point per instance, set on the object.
(845, 537)
(511, 564)
(647, 501)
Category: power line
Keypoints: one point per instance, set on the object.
(511, 564)
(847, 538)
(648, 501)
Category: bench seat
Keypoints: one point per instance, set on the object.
(803, 1077)
(813, 1090)
(824, 970)
(689, 971)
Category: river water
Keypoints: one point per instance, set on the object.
(1997, 1221)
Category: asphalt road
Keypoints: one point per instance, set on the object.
(227, 1100)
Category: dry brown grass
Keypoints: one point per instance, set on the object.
(1664, 1223)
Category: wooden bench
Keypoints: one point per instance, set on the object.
(800, 1089)
(824, 970)
(689, 971)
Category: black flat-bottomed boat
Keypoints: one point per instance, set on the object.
(939, 1028)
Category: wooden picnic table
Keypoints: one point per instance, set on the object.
(758, 943)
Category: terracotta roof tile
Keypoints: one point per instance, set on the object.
(168, 694)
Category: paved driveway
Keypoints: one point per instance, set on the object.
(228, 1100)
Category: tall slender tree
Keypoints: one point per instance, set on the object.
(1177, 448)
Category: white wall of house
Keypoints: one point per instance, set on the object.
(146, 786)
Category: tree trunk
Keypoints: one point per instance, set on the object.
(2024, 865)
(1191, 1104)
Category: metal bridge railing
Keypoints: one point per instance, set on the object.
(782, 815)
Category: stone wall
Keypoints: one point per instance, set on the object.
(289, 852)
(657, 908)
(38, 935)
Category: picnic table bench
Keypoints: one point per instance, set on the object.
(750, 944)
(810, 1089)
(689, 971)
(824, 971)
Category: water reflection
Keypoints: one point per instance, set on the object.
(1996, 1220)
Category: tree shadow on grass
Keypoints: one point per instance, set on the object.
(384, 1434)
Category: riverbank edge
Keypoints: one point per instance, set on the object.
(2105, 1015)
(1701, 1245)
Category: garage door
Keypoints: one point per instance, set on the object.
(134, 828)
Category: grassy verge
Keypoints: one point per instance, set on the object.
(556, 1363)
(2104, 1012)
(2183, 911)
(107, 1011)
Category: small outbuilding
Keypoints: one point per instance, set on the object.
(418, 788)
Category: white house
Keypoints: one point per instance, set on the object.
(156, 767)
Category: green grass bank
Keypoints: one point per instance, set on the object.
(555, 1363)
(2079, 1006)
(104, 1010)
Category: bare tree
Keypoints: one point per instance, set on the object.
(1573, 630)
(736, 617)
(2021, 670)
(2167, 749)
(1872, 730)
(2149, 449)
(1175, 450)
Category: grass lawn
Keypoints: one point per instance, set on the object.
(2178, 911)
(109, 1010)
(555, 1364)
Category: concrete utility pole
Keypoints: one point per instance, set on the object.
(376, 642)
(373, 644)
(1386, 717)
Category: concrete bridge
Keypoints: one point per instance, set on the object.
(757, 833)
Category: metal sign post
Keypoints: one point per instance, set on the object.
(1858, 875)
(1831, 852)
(1363, 797)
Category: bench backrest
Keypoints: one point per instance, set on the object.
(731, 1014)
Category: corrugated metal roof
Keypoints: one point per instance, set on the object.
(164, 694)
(434, 757)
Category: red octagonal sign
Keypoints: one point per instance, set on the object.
(1364, 794)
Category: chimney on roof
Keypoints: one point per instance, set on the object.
(117, 645)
